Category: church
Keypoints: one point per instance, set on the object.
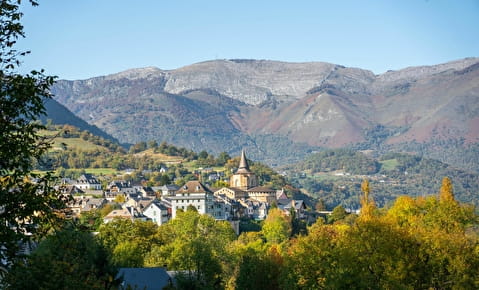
(244, 185)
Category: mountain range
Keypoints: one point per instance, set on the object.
(279, 111)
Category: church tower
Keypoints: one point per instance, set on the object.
(243, 179)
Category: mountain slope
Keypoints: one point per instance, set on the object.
(60, 115)
(225, 105)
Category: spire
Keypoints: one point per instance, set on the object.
(243, 165)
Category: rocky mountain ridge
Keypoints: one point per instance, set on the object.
(279, 109)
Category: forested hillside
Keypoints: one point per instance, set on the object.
(335, 175)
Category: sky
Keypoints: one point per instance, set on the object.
(88, 38)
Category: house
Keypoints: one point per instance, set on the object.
(158, 212)
(138, 202)
(88, 182)
(255, 209)
(93, 203)
(193, 193)
(123, 213)
(81, 204)
(169, 189)
(70, 190)
(146, 191)
(223, 208)
(214, 176)
(144, 278)
(163, 169)
(298, 205)
(121, 186)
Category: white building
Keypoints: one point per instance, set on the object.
(88, 182)
(193, 193)
(157, 212)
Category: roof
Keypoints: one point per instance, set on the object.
(193, 186)
(158, 204)
(234, 189)
(144, 278)
(119, 183)
(119, 213)
(169, 187)
(87, 178)
(261, 189)
(243, 165)
(280, 194)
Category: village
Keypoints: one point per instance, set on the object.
(244, 198)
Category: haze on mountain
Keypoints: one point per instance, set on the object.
(280, 111)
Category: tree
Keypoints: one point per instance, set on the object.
(27, 200)
(128, 242)
(310, 258)
(223, 157)
(277, 227)
(203, 154)
(69, 259)
(196, 245)
(446, 192)
(367, 204)
(338, 214)
(152, 144)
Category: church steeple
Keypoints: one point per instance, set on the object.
(243, 178)
(243, 165)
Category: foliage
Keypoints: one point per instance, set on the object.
(69, 259)
(416, 244)
(27, 201)
(276, 227)
(338, 214)
(127, 242)
(399, 174)
(339, 159)
(196, 245)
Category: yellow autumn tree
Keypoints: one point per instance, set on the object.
(367, 203)
(446, 193)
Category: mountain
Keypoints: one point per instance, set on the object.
(60, 115)
(281, 111)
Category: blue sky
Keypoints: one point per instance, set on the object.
(87, 38)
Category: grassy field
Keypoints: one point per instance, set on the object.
(71, 143)
(389, 164)
(327, 177)
(74, 143)
(102, 171)
(161, 157)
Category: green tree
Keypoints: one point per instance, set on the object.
(164, 179)
(27, 200)
(152, 144)
(311, 258)
(338, 214)
(128, 254)
(195, 244)
(127, 242)
(223, 157)
(277, 227)
(69, 259)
